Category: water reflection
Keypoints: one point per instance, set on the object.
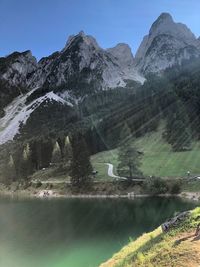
(75, 233)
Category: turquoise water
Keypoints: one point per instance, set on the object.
(73, 232)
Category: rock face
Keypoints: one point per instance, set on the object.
(124, 58)
(62, 79)
(168, 43)
(15, 68)
(14, 72)
(82, 66)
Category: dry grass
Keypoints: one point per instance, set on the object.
(179, 248)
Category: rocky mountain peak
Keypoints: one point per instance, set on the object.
(81, 39)
(167, 43)
(14, 71)
(84, 64)
(166, 25)
(163, 18)
(122, 52)
(15, 67)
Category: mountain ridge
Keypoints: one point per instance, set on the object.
(82, 68)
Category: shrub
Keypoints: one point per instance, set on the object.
(156, 186)
(175, 187)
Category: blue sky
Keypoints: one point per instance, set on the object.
(43, 26)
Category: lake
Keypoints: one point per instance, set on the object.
(76, 232)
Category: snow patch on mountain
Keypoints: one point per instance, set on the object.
(18, 112)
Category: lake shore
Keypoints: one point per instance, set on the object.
(191, 195)
(50, 193)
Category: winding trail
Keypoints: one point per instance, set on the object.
(111, 174)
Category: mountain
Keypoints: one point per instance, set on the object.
(30, 90)
(82, 68)
(124, 57)
(14, 71)
(167, 44)
(16, 67)
(64, 78)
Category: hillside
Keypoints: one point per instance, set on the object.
(158, 158)
(178, 248)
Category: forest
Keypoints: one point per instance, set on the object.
(106, 120)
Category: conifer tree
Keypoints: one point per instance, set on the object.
(68, 150)
(81, 168)
(56, 156)
(129, 160)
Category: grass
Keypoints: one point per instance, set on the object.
(158, 159)
(191, 186)
(51, 173)
(176, 248)
(99, 163)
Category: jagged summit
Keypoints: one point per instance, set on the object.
(166, 25)
(15, 67)
(82, 37)
(16, 54)
(84, 64)
(165, 16)
(83, 68)
(167, 43)
(123, 53)
(83, 60)
(120, 49)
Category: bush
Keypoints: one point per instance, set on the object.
(156, 186)
(38, 184)
(175, 187)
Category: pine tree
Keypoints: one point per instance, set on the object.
(81, 168)
(26, 152)
(68, 150)
(129, 160)
(56, 156)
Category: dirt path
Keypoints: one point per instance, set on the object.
(111, 174)
(187, 250)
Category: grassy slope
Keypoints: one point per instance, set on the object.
(158, 158)
(177, 248)
(98, 161)
(52, 173)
